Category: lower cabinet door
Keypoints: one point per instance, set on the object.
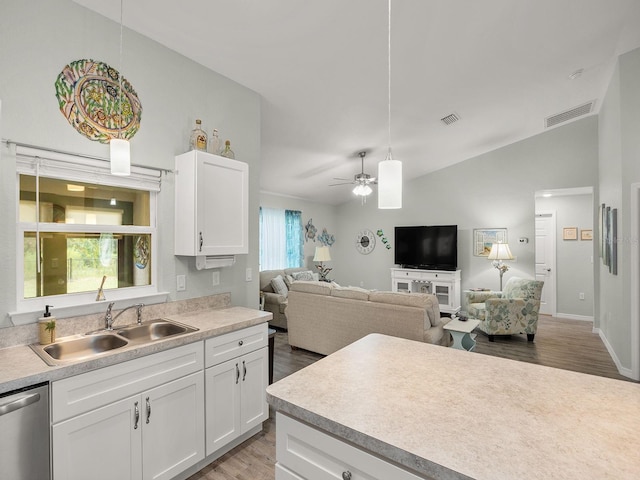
(222, 393)
(103, 444)
(253, 398)
(172, 417)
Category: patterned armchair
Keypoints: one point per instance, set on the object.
(512, 311)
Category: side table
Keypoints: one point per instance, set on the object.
(463, 339)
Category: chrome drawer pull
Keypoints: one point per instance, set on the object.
(136, 416)
(244, 371)
(346, 475)
(237, 374)
(148, 409)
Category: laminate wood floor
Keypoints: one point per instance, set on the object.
(559, 343)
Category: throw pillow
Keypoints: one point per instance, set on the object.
(288, 280)
(307, 275)
(278, 285)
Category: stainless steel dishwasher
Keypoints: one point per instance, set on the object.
(24, 434)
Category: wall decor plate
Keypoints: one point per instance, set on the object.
(88, 95)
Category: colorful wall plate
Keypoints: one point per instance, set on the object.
(88, 95)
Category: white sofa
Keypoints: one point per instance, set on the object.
(324, 318)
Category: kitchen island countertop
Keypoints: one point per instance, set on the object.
(451, 414)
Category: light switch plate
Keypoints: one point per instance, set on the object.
(249, 275)
(216, 278)
(181, 283)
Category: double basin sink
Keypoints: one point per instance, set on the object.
(89, 345)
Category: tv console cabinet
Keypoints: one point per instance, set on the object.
(443, 284)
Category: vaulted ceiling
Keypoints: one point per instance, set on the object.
(502, 66)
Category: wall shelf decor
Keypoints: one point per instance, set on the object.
(88, 94)
(484, 238)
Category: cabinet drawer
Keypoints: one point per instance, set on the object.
(283, 473)
(231, 345)
(88, 391)
(311, 453)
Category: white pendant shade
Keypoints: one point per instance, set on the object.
(390, 184)
(120, 157)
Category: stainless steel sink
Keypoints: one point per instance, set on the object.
(153, 330)
(83, 347)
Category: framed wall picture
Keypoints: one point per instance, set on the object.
(483, 238)
(586, 234)
(570, 233)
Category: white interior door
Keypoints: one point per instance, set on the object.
(546, 260)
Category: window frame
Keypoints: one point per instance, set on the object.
(71, 168)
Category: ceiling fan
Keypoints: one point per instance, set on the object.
(362, 181)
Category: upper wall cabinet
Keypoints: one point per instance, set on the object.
(212, 205)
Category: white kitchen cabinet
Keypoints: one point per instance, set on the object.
(235, 383)
(138, 419)
(306, 452)
(211, 205)
(444, 284)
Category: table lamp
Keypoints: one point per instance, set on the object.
(322, 255)
(498, 253)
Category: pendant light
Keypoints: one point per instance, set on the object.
(120, 151)
(389, 170)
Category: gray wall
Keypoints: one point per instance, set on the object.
(574, 264)
(323, 216)
(37, 39)
(493, 190)
(619, 168)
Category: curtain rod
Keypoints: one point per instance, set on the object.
(81, 155)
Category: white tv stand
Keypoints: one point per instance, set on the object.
(443, 284)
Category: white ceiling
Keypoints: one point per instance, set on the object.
(321, 68)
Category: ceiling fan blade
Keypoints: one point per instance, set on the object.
(336, 184)
(343, 179)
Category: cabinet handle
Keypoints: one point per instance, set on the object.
(240, 343)
(346, 475)
(136, 416)
(201, 241)
(237, 374)
(244, 370)
(148, 409)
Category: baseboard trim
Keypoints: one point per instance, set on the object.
(626, 372)
(571, 316)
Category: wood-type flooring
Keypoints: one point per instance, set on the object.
(559, 343)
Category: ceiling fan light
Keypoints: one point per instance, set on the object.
(390, 184)
(362, 190)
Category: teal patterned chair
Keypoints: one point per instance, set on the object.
(512, 311)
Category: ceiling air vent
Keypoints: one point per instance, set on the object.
(449, 119)
(569, 114)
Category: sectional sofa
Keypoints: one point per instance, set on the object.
(323, 318)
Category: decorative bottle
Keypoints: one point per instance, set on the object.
(227, 152)
(47, 327)
(214, 143)
(198, 139)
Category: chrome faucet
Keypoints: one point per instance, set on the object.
(109, 318)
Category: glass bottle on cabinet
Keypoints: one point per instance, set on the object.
(198, 140)
(213, 146)
(227, 152)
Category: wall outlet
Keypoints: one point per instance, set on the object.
(581, 296)
(249, 275)
(181, 283)
(216, 278)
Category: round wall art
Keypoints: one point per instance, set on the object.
(89, 97)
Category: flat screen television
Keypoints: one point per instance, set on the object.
(432, 247)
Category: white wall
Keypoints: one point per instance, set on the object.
(323, 216)
(493, 190)
(618, 169)
(37, 39)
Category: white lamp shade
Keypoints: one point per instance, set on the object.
(362, 190)
(120, 157)
(322, 255)
(500, 251)
(390, 184)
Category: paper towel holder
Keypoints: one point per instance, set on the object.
(214, 261)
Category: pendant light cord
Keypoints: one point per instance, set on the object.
(120, 77)
(389, 83)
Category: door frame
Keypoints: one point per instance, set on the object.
(554, 274)
(635, 281)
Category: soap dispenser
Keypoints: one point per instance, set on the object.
(47, 327)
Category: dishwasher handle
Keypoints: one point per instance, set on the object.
(19, 403)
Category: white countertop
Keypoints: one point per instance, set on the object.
(20, 366)
(451, 414)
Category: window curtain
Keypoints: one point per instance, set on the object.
(295, 241)
(281, 239)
